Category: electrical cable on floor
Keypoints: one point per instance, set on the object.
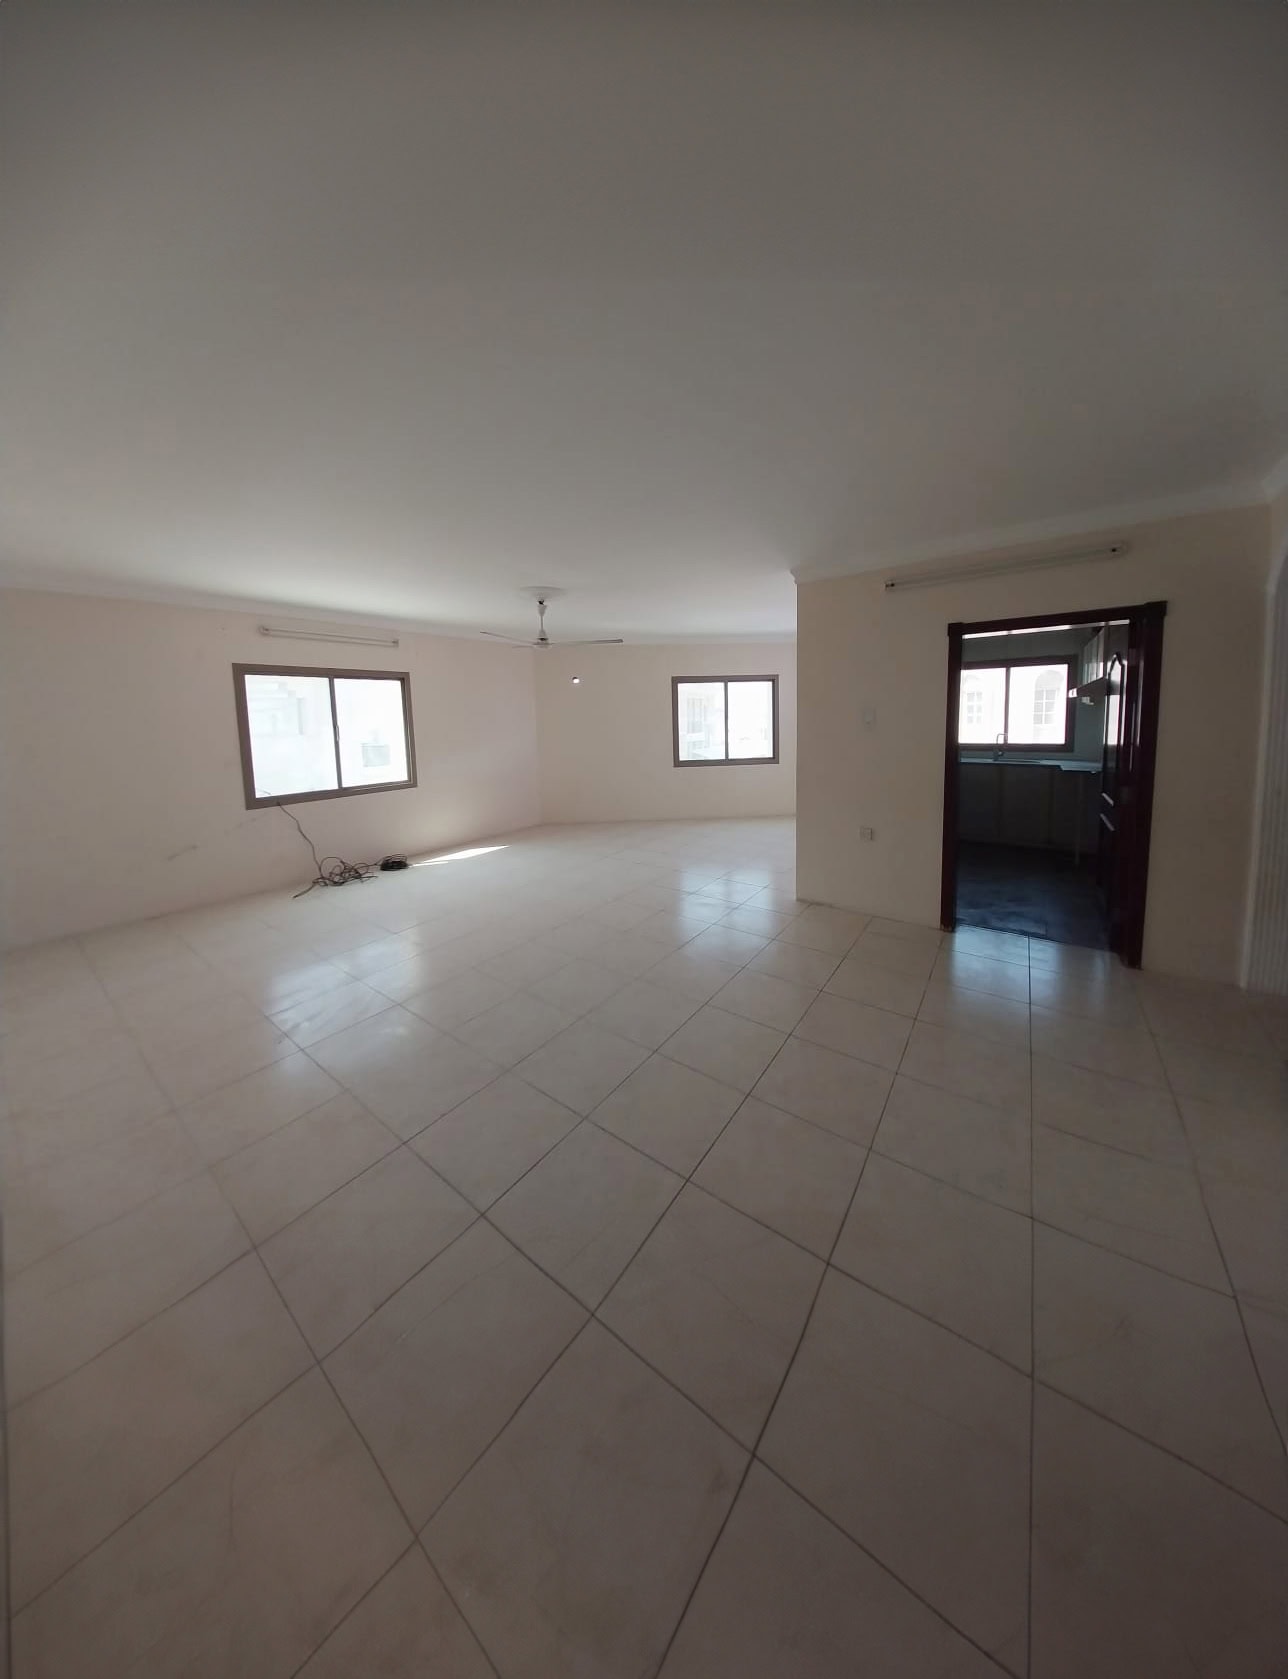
(332, 871)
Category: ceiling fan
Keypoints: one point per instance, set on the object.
(543, 596)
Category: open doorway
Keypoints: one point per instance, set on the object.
(1050, 740)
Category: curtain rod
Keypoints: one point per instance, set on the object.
(1003, 568)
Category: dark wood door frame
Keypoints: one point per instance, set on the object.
(1145, 665)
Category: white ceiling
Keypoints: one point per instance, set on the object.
(393, 310)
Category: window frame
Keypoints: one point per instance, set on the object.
(726, 762)
(1066, 750)
(255, 801)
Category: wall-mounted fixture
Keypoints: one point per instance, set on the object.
(1003, 568)
(575, 681)
(326, 635)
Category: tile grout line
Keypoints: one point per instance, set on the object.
(754, 1454)
(319, 1365)
(827, 1263)
(1220, 1248)
(581, 1305)
(47, 1387)
(460, 1480)
(210, 1168)
(399, 1142)
(886, 1569)
(1280, 1516)
(106, 1538)
(593, 1317)
(398, 1560)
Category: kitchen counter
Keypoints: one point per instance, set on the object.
(1079, 766)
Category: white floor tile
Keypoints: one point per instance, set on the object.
(433, 1376)
(87, 1454)
(565, 1029)
(917, 1445)
(582, 1212)
(972, 1145)
(487, 1143)
(957, 1259)
(1134, 1206)
(65, 1309)
(832, 1090)
(346, 1256)
(1162, 1357)
(668, 1111)
(785, 1592)
(165, 1595)
(789, 1174)
(405, 1625)
(733, 1050)
(717, 1303)
(874, 1035)
(582, 1065)
(1143, 1565)
(578, 1537)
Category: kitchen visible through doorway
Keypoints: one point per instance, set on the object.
(1048, 778)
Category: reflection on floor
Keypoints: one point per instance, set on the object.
(584, 1260)
(1021, 889)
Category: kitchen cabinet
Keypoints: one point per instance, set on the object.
(1026, 804)
(1091, 661)
(979, 808)
(1041, 805)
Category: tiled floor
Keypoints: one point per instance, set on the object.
(1024, 889)
(579, 1258)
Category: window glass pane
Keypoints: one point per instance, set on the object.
(700, 728)
(751, 719)
(980, 717)
(373, 740)
(1039, 705)
(291, 744)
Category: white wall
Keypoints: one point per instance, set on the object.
(606, 752)
(1266, 945)
(861, 647)
(120, 779)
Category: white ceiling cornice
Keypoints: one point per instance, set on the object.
(299, 615)
(1104, 519)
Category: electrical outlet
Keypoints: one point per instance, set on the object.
(867, 833)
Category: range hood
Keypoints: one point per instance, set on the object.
(1091, 692)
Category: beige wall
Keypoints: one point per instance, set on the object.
(1278, 528)
(120, 781)
(1266, 945)
(861, 648)
(606, 751)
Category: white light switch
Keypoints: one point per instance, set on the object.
(867, 833)
(869, 717)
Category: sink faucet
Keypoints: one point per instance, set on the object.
(998, 740)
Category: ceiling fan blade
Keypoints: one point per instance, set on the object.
(513, 640)
(598, 641)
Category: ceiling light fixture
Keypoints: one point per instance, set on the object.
(1003, 568)
(323, 635)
